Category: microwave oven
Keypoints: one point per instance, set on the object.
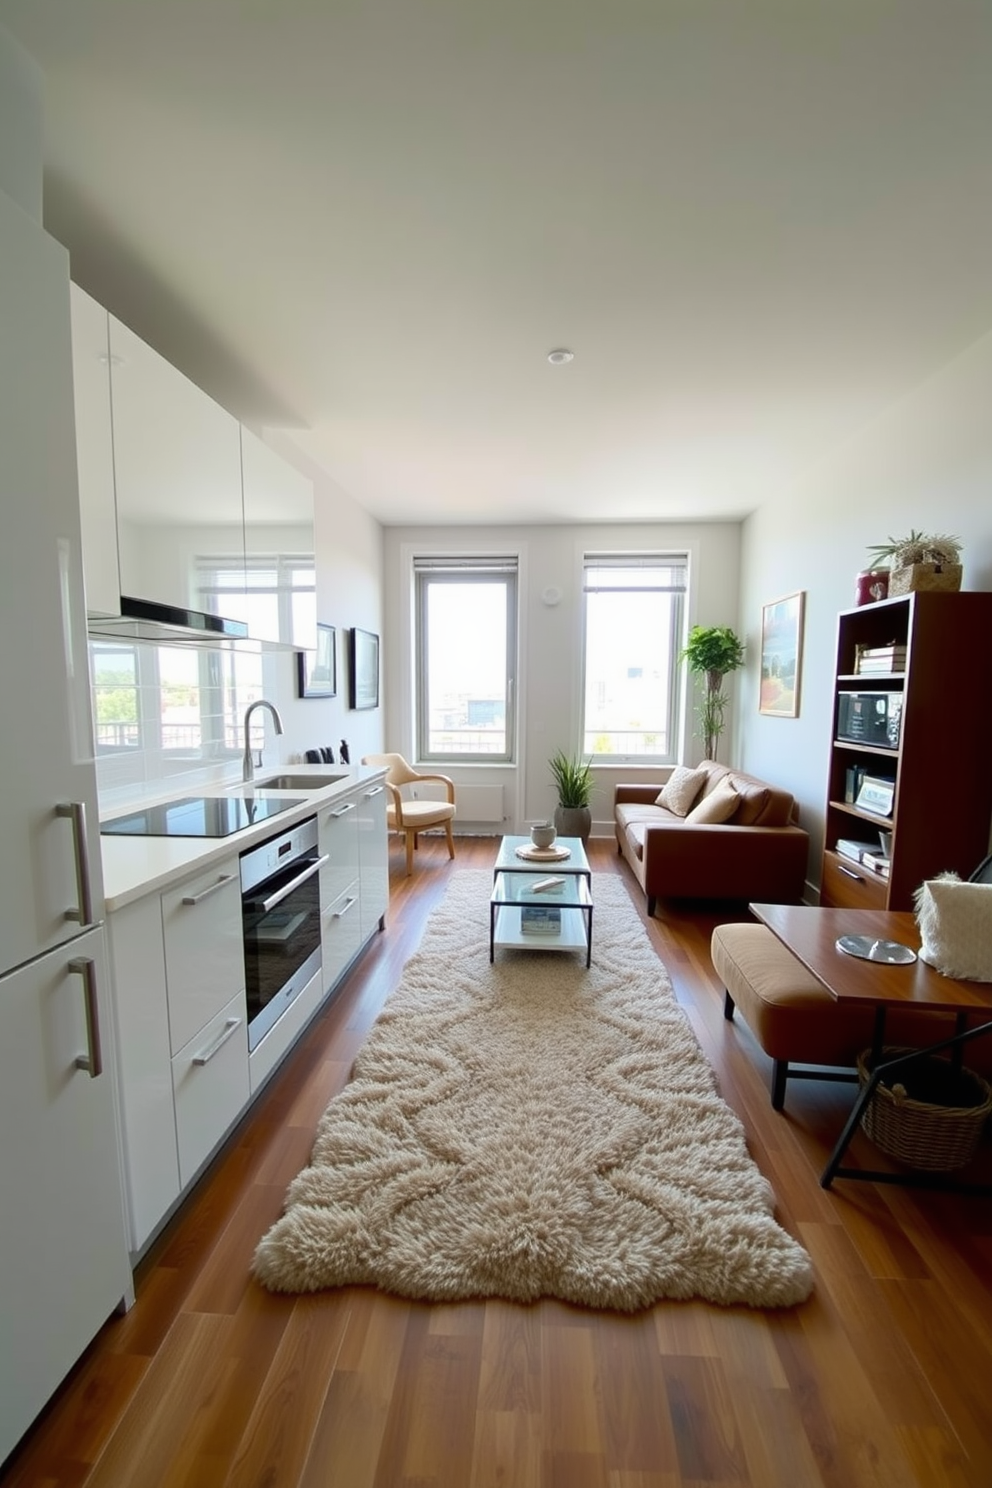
(869, 718)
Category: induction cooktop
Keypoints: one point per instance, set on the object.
(198, 816)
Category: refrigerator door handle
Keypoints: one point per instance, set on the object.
(85, 967)
(76, 811)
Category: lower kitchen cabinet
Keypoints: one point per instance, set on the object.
(210, 1085)
(63, 1252)
(340, 933)
(373, 857)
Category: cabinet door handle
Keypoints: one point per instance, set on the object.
(339, 914)
(85, 967)
(76, 812)
(375, 791)
(294, 883)
(226, 1032)
(343, 810)
(858, 878)
(225, 878)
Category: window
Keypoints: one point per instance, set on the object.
(633, 615)
(466, 648)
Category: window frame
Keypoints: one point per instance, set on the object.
(649, 560)
(438, 570)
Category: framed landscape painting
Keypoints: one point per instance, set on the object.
(317, 671)
(363, 670)
(781, 655)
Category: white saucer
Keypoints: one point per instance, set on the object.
(543, 854)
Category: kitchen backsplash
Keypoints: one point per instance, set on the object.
(170, 715)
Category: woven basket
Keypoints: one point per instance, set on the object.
(925, 576)
(926, 1133)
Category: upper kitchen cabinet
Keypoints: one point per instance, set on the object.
(95, 452)
(279, 547)
(177, 466)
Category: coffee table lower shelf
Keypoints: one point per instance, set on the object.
(505, 932)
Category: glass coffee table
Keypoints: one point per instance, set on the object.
(525, 917)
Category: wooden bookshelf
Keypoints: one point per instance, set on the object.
(938, 759)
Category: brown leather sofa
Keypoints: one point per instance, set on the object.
(760, 853)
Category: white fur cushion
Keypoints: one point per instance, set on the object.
(955, 921)
(718, 806)
(680, 790)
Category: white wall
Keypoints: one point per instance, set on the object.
(550, 677)
(21, 126)
(927, 464)
(350, 583)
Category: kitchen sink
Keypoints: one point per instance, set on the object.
(292, 782)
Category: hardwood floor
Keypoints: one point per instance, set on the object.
(883, 1378)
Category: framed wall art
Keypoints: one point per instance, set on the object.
(781, 655)
(317, 671)
(363, 669)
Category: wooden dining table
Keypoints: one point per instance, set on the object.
(812, 935)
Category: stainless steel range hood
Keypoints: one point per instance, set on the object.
(148, 620)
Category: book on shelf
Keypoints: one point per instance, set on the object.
(891, 658)
(540, 919)
(849, 848)
(877, 862)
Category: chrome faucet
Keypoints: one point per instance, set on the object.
(248, 761)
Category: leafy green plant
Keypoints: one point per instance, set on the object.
(918, 547)
(573, 779)
(711, 652)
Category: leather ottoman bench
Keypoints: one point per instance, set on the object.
(793, 1016)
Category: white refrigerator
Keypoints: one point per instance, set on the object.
(64, 1265)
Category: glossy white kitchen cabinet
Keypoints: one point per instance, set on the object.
(280, 576)
(204, 958)
(95, 452)
(151, 1155)
(63, 1253)
(178, 975)
(210, 1085)
(63, 1257)
(373, 857)
(177, 463)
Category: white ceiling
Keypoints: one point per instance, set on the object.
(368, 221)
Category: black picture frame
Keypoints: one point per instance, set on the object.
(363, 669)
(317, 671)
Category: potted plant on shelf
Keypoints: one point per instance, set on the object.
(920, 561)
(572, 776)
(711, 652)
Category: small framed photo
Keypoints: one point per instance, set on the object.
(317, 671)
(782, 655)
(363, 669)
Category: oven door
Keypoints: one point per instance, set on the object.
(281, 922)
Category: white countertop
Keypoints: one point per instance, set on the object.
(135, 866)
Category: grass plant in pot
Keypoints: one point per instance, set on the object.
(572, 776)
(920, 561)
(711, 652)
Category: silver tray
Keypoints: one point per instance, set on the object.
(890, 952)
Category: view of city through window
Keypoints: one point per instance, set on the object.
(466, 645)
(633, 627)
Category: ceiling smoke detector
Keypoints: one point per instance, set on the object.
(559, 357)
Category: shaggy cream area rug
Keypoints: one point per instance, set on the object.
(533, 1129)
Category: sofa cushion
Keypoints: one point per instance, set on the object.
(719, 806)
(752, 801)
(681, 789)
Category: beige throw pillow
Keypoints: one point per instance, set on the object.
(955, 921)
(718, 806)
(680, 790)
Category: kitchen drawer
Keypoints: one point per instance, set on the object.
(210, 1081)
(265, 1056)
(338, 836)
(204, 953)
(340, 933)
(848, 885)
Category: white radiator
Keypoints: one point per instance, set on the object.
(479, 803)
(476, 803)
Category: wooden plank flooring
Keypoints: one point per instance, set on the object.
(883, 1378)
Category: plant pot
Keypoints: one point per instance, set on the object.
(542, 834)
(573, 821)
(916, 576)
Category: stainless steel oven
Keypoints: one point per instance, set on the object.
(280, 908)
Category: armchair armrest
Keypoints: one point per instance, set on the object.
(445, 781)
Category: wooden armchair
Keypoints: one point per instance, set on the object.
(414, 816)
